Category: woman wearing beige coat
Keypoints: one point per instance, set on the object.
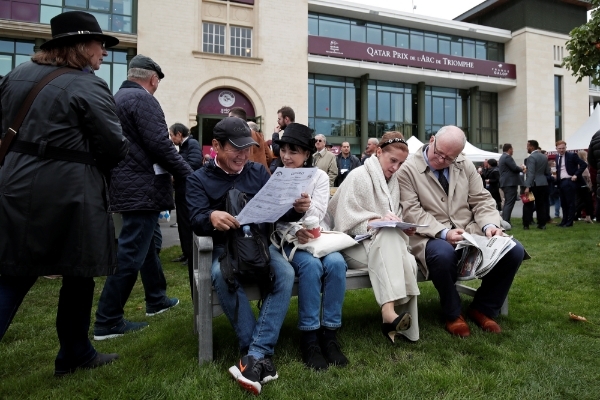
(372, 193)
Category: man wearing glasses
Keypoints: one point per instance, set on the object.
(140, 188)
(324, 159)
(440, 188)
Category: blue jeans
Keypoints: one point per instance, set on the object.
(136, 253)
(256, 335)
(442, 262)
(72, 316)
(326, 274)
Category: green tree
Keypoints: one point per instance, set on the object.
(583, 58)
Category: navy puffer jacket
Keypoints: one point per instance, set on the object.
(142, 181)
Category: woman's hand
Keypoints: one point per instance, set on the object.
(304, 236)
(302, 204)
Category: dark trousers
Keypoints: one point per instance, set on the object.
(72, 317)
(136, 253)
(184, 228)
(542, 204)
(442, 262)
(585, 202)
(568, 194)
(510, 197)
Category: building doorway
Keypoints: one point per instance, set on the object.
(215, 106)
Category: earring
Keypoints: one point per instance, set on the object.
(306, 159)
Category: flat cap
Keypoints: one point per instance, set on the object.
(143, 62)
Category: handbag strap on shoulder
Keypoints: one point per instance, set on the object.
(20, 117)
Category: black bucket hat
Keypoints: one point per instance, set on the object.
(73, 26)
(299, 135)
(234, 130)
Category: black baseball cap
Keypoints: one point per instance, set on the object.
(234, 130)
(143, 62)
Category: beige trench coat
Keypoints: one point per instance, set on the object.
(467, 206)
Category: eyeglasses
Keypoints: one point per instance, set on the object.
(157, 77)
(102, 42)
(318, 140)
(442, 156)
(394, 140)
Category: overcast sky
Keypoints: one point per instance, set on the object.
(446, 9)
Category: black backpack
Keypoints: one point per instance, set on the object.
(246, 258)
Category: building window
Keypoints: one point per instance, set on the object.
(13, 53)
(213, 38)
(28, 11)
(241, 41)
(443, 106)
(391, 108)
(114, 69)
(333, 105)
(487, 138)
(393, 36)
(558, 135)
(112, 15)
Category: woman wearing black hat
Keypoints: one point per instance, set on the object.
(53, 206)
(318, 343)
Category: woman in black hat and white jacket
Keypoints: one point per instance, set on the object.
(327, 274)
(53, 200)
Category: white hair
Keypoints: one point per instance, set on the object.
(254, 126)
(373, 141)
(139, 74)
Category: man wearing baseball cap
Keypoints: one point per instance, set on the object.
(206, 192)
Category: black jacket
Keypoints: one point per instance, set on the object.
(53, 214)
(141, 182)
(192, 154)
(354, 163)
(594, 155)
(206, 189)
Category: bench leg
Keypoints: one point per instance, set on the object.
(203, 303)
(471, 292)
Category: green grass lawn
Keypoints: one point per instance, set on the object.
(541, 354)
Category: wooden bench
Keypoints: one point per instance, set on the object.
(206, 301)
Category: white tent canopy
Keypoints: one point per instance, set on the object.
(414, 144)
(477, 155)
(581, 139)
(471, 152)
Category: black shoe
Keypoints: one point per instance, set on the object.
(332, 351)
(525, 228)
(98, 361)
(269, 373)
(181, 258)
(543, 227)
(401, 323)
(312, 356)
(247, 373)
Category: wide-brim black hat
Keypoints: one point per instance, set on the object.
(299, 135)
(76, 26)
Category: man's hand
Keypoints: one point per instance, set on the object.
(277, 129)
(526, 190)
(493, 231)
(302, 204)
(223, 221)
(574, 178)
(304, 236)
(454, 236)
(410, 231)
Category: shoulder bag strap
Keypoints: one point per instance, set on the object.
(20, 117)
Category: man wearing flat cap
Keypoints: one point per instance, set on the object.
(206, 192)
(140, 188)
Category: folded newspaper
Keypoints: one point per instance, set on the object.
(481, 254)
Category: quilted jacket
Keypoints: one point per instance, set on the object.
(594, 156)
(142, 181)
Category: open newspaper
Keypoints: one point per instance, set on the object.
(481, 254)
